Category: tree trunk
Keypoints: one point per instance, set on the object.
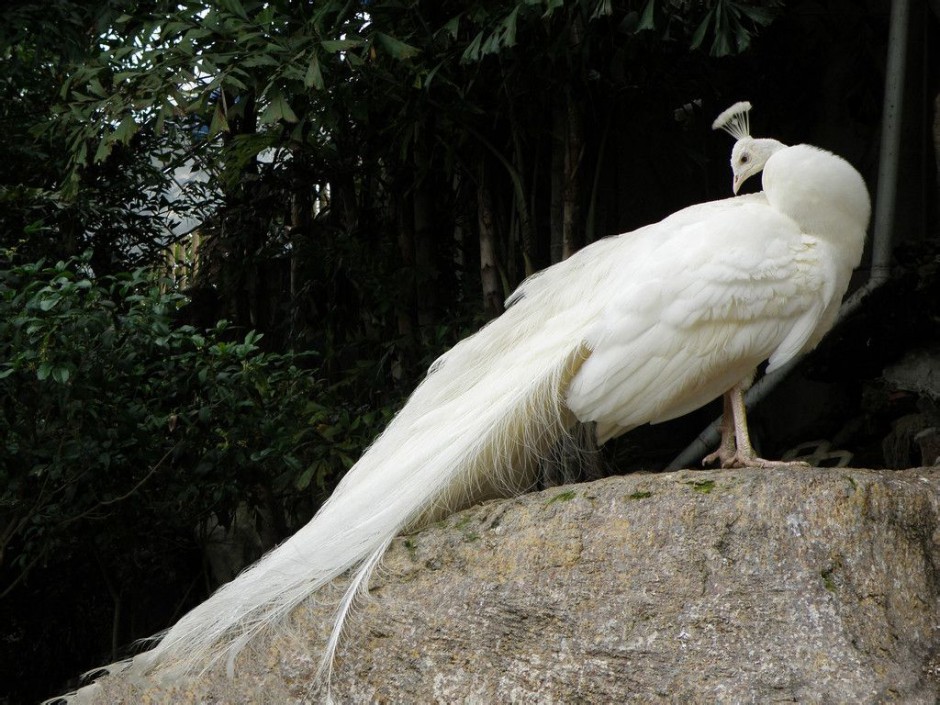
(343, 201)
(459, 231)
(300, 218)
(559, 129)
(522, 194)
(237, 242)
(936, 147)
(423, 229)
(572, 225)
(567, 227)
(489, 272)
(406, 247)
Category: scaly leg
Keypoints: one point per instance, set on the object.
(736, 450)
(726, 451)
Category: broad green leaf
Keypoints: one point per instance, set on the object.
(602, 9)
(235, 7)
(334, 45)
(96, 88)
(219, 122)
(491, 45)
(277, 109)
(125, 130)
(258, 60)
(508, 34)
(173, 27)
(741, 36)
(197, 33)
(699, 36)
(288, 113)
(759, 15)
(431, 74)
(721, 46)
(397, 48)
(647, 19)
(453, 26)
(313, 77)
(472, 52)
(551, 6)
(48, 303)
(303, 480)
(229, 79)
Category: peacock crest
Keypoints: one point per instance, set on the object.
(735, 120)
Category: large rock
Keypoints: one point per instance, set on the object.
(788, 585)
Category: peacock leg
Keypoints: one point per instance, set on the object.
(744, 455)
(726, 451)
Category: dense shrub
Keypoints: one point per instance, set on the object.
(126, 433)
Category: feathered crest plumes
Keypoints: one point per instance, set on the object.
(735, 120)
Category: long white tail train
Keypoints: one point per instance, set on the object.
(470, 431)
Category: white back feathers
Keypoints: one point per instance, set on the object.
(637, 328)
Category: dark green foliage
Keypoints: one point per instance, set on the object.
(325, 121)
(119, 211)
(727, 26)
(126, 434)
(108, 402)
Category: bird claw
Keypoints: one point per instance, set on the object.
(752, 461)
(736, 459)
(716, 457)
(735, 450)
(725, 455)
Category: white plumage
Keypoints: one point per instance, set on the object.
(637, 328)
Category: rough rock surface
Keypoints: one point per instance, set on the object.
(745, 586)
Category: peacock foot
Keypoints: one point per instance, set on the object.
(730, 458)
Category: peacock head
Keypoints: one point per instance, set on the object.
(749, 155)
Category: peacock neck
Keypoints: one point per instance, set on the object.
(822, 193)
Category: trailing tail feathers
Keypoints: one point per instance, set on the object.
(470, 431)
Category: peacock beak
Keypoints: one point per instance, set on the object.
(736, 183)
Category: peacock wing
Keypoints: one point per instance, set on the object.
(696, 303)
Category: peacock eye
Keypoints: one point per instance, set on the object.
(744, 159)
